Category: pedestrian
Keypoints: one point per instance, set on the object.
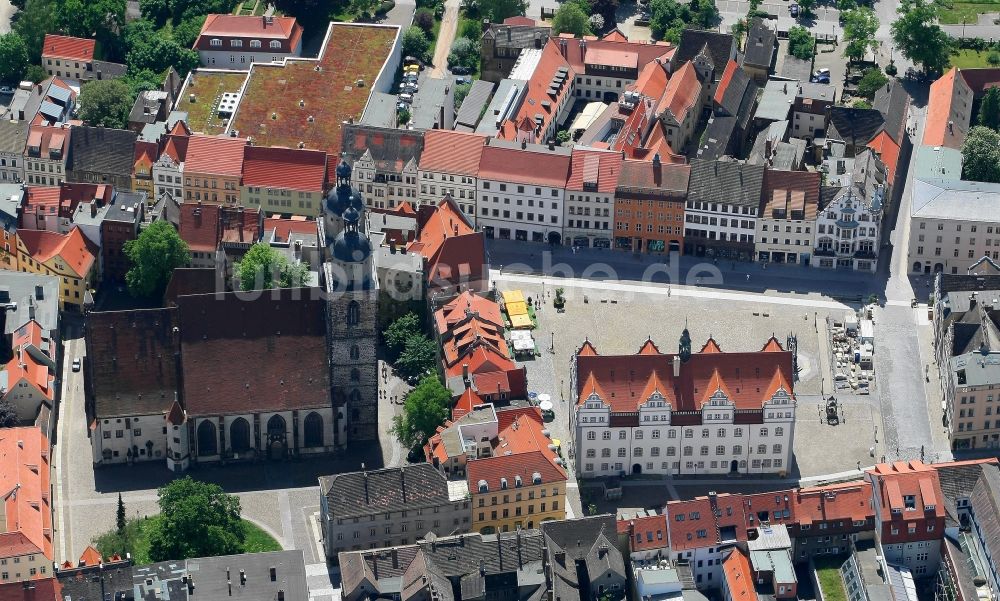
(748, 277)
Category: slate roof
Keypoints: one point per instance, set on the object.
(759, 49)
(986, 503)
(281, 343)
(132, 362)
(958, 480)
(590, 540)
(392, 489)
(731, 97)
(102, 150)
(715, 142)
(716, 46)
(13, 135)
(856, 127)
(725, 181)
(391, 149)
(893, 102)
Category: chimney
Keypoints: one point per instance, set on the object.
(281, 595)
(402, 483)
(93, 209)
(677, 366)
(273, 571)
(552, 144)
(243, 577)
(395, 559)
(465, 374)
(656, 160)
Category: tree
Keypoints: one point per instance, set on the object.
(860, 26)
(918, 36)
(846, 5)
(981, 155)
(143, 80)
(801, 43)
(461, 91)
(37, 19)
(154, 255)
(989, 109)
(871, 81)
(667, 18)
(13, 58)
(861, 103)
(148, 49)
(571, 19)
(187, 31)
(399, 332)
(807, 6)
(424, 19)
(498, 10)
(415, 42)
(8, 415)
(106, 103)
(464, 52)
(596, 22)
(36, 74)
(120, 515)
(704, 13)
(262, 267)
(419, 357)
(157, 11)
(424, 409)
(197, 519)
(993, 58)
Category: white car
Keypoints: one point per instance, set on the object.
(76, 364)
(6, 90)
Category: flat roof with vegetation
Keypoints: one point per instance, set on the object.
(208, 87)
(830, 581)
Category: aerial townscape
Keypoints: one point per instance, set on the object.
(500, 300)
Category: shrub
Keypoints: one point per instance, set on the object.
(424, 19)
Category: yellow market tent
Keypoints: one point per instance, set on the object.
(521, 321)
(513, 296)
(518, 308)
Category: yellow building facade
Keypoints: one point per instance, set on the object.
(527, 495)
(65, 256)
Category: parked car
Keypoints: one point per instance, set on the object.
(793, 9)
(76, 364)
(463, 80)
(642, 19)
(460, 70)
(407, 98)
(6, 90)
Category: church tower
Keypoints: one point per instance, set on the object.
(352, 308)
(684, 345)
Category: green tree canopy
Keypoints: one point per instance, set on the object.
(989, 109)
(464, 52)
(981, 155)
(704, 13)
(155, 51)
(106, 103)
(197, 519)
(13, 58)
(807, 6)
(667, 18)
(154, 255)
(400, 331)
(415, 43)
(496, 10)
(801, 43)
(424, 409)
(419, 356)
(860, 26)
(918, 36)
(8, 415)
(424, 19)
(141, 81)
(186, 32)
(37, 19)
(871, 81)
(263, 267)
(571, 19)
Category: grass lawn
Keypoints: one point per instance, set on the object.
(969, 59)
(138, 531)
(954, 12)
(830, 581)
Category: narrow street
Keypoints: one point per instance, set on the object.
(446, 36)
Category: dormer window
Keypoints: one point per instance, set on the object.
(215, 42)
(236, 43)
(275, 44)
(517, 482)
(536, 478)
(255, 43)
(483, 486)
(503, 483)
(910, 502)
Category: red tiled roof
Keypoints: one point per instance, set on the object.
(481, 357)
(645, 174)
(950, 98)
(71, 248)
(215, 155)
(739, 577)
(791, 191)
(594, 170)
(645, 533)
(463, 405)
(288, 168)
(42, 589)
(90, 557)
(727, 77)
(699, 518)
(583, 52)
(530, 166)
(450, 151)
(24, 467)
(587, 349)
(199, 226)
(681, 92)
(744, 377)
(521, 449)
(888, 151)
(520, 20)
(25, 366)
(47, 138)
(711, 346)
(897, 480)
(649, 348)
(537, 100)
(981, 79)
(61, 46)
(284, 228)
(849, 501)
(175, 144)
(233, 26)
(454, 311)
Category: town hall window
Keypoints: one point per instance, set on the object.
(353, 313)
